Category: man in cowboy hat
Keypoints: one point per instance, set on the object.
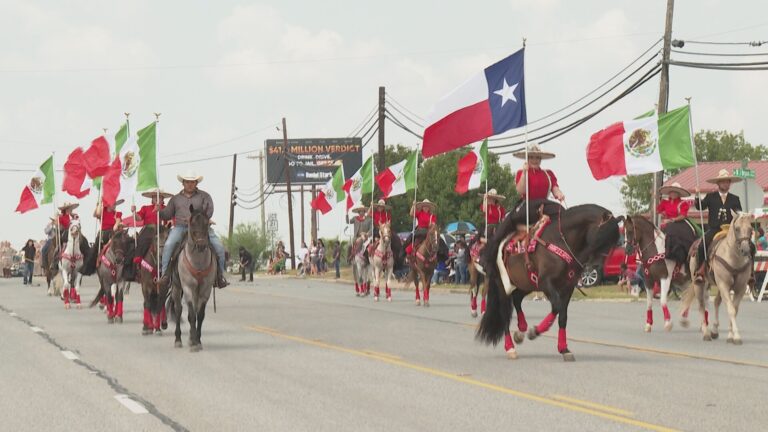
(147, 214)
(493, 210)
(362, 221)
(178, 208)
(109, 217)
(720, 203)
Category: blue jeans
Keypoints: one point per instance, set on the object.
(175, 236)
(336, 264)
(462, 276)
(29, 267)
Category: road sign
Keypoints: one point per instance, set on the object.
(272, 217)
(744, 173)
(272, 225)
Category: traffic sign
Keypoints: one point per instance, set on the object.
(744, 173)
(272, 217)
(272, 225)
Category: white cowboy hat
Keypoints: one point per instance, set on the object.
(154, 191)
(189, 176)
(533, 150)
(69, 205)
(359, 208)
(425, 203)
(674, 187)
(724, 175)
(382, 204)
(493, 195)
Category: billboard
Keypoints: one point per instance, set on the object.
(313, 160)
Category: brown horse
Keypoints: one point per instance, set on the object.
(110, 272)
(423, 263)
(154, 293)
(571, 238)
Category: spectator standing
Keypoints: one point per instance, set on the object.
(246, 264)
(462, 276)
(337, 259)
(29, 261)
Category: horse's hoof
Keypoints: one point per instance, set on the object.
(715, 335)
(532, 333)
(79, 306)
(110, 320)
(474, 314)
(195, 348)
(684, 323)
(119, 320)
(177, 344)
(707, 338)
(729, 340)
(512, 354)
(519, 337)
(101, 306)
(389, 299)
(737, 342)
(164, 325)
(418, 303)
(426, 303)
(67, 306)
(647, 328)
(158, 332)
(375, 298)
(668, 325)
(568, 356)
(146, 331)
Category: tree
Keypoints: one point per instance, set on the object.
(710, 146)
(249, 236)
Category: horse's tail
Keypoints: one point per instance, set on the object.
(96, 299)
(89, 262)
(498, 313)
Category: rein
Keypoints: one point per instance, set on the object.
(199, 275)
(647, 261)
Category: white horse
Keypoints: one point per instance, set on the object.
(361, 267)
(383, 262)
(730, 262)
(70, 262)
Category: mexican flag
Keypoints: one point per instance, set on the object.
(114, 147)
(39, 190)
(135, 167)
(641, 146)
(398, 178)
(331, 193)
(76, 181)
(360, 183)
(473, 169)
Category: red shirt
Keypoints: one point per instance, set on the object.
(109, 218)
(540, 182)
(381, 216)
(670, 209)
(64, 220)
(495, 213)
(148, 214)
(424, 218)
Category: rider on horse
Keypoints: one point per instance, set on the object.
(679, 232)
(382, 213)
(423, 212)
(720, 204)
(109, 217)
(179, 208)
(147, 214)
(64, 220)
(493, 210)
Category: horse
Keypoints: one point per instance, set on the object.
(478, 283)
(730, 264)
(194, 275)
(553, 263)
(71, 262)
(423, 263)
(110, 273)
(51, 269)
(650, 242)
(360, 267)
(383, 262)
(154, 294)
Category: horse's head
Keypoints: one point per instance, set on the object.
(119, 245)
(741, 230)
(639, 232)
(433, 236)
(385, 233)
(198, 228)
(74, 228)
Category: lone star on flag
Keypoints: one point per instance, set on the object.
(507, 92)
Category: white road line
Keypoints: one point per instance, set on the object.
(13, 314)
(37, 329)
(69, 355)
(131, 404)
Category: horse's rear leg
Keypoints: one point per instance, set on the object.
(147, 323)
(702, 295)
(388, 279)
(548, 320)
(562, 341)
(665, 284)
(716, 321)
(426, 282)
(376, 288)
(509, 346)
(522, 324)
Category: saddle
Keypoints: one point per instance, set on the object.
(724, 228)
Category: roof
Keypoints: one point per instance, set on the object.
(687, 178)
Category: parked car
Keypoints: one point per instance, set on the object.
(609, 269)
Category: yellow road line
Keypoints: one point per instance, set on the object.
(466, 380)
(381, 354)
(595, 405)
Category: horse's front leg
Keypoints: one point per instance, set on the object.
(522, 324)
(119, 302)
(387, 290)
(176, 299)
(111, 306)
(546, 323)
(649, 303)
(716, 321)
(427, 281)
(416, 282)
(701, 291)
(665, 284)
(192, 318)
(78, 282)
(731, 307)
(377, 277)
(198, 346)
(66, 286)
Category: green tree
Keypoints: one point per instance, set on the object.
(250, 237)
(710, 146)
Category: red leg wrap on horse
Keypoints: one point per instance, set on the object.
(388, 291)
(66, 296)
(357, 288)
(147, 318)
(110, 309)
(473, 303)
(546, 323)
(157, 321)
(103, 300)
(376, 291)
(649, 317)
(508, 343)
(667, 316)
(418, 297)
(685, 313)
(522, 324)
(482, 305)
(562, 342)
(120, 309)
(426, 294)
(706, 317)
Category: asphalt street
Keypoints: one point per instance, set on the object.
(286, 354)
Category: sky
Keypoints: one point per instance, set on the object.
(223, 74)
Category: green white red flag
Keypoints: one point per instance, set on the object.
(40, 189)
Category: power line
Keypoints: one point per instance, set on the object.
(363, 124)
(405, 115)
(393, 100)
(752, 43)
(755, 66)
(400, 124)
(720, 54)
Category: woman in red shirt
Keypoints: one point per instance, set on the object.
(493, 210)
(680, 233)
(541, 182)
(423, 213)
(109, 217)
(381, 214)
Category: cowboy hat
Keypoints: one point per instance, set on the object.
(154, 191)
(724, 175)
(492, 194)
(359, 208)
(533, 150)
(189, 176)
(674, 187)
(382, 204)
(425, 203)
(69, 206)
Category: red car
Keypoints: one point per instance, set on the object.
(610, 268)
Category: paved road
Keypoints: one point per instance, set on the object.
(295, 355)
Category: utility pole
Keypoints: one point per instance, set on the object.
(382, 108)
(303, 240)
(313, 216)
(260, 157)
(232, 198)
(290, 197)
(658, 178)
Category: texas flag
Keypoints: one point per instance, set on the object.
(490, 103)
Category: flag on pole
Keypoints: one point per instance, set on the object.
(97, 157)
(491, 102)
(76, 181)
(398, 178)
(40, 189)
(331, 193)
(641, 146)
(472, 168)
(360, 183)
(134, 169)
(114, 148)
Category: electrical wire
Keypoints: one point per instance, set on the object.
(720, 54)
(404, 115)
(400, 124)
(389, 98)
(753, 66)
(363, 124)
(752, 44)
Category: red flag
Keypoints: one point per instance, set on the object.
(321, 203)
(110, 185)
(97, 158)
(74, 175)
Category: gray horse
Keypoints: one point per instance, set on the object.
(194, 277)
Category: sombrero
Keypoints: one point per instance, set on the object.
(359, 208)
(69, 206)
(724, 175)
(189, 176)
(425, 203)
(494, 195)
(674, 187)
(153, 193)
(533, 150)
(382, 204)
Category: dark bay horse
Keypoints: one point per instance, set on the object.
(423, 263)
(154, 293)
(111, 261)
(572, 237)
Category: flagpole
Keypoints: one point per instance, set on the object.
(696, 171)
(157, 203)
(415, 191)
(527, 182)
(485, 207)
(55, 207)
